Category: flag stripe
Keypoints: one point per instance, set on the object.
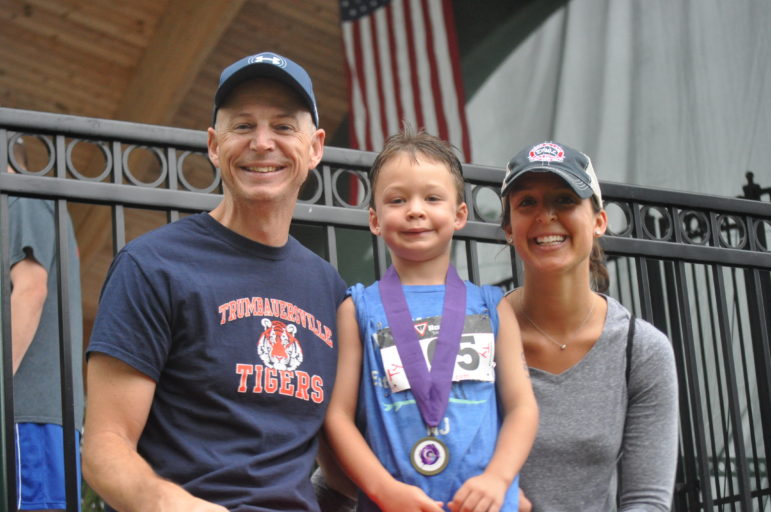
(386, 88)
(412, 60)
(394, 60)
(457, 79)
(436, 97)
(403, 64)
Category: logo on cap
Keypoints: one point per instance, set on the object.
(546, 152)
(268, 58)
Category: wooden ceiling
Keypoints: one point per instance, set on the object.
(157, 62)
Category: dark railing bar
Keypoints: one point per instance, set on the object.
(9, 430)
(118, 228)
(731, 378)
(101, 129)
(726, 420)
(71, 450)
(688, 461)
(107, 193)
(131, 195)
(682, 200)
(692, 376)
(331, 241)
(735, 309)
(646, 305)
(171, 175)
(762, 355)
(117, 163)
(472, 260)
(155, 135)
(62, 241)
(693, 254)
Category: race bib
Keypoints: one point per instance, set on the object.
(475, 359)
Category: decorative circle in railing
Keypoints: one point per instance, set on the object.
(196, 164)
(486, 203)
(762, 234)
(26, 138)
(350, 188)
(88, 155)
(311, 190)
(619, 219)
(733, 232)
(656, 222)
(694, 226)
(160, 158)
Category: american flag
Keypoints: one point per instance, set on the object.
(403, 64)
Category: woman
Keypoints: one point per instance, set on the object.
(595, 417)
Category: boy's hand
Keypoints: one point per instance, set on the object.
(402, 497)
(481, 493)
(524, 503)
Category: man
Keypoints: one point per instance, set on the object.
(213, 353)
(35, 344)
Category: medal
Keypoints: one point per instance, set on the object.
(431, 389)
(429, 456)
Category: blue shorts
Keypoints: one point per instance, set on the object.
(40, 466)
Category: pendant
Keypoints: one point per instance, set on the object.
(429, 456)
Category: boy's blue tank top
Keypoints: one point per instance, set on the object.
(390, 420)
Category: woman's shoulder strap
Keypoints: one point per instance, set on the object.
(629, 343)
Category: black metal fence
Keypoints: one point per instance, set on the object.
(698, 267)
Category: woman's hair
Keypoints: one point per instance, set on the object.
(599, 279)
(413, 143)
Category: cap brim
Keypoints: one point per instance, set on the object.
(582, 190)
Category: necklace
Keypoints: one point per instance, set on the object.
(562, 346)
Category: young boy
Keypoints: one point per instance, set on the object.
(414, 417)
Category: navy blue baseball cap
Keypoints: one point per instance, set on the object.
(266, 64)
(569, 164)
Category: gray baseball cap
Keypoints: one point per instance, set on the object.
(569, 164)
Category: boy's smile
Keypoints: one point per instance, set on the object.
(416, 208)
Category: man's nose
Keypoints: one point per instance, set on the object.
(262, 140)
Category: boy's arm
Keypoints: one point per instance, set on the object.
(352, 450)
(517, 433)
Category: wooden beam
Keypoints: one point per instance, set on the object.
(182, 42)
(185, 36)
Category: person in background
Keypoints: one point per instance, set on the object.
(430, 366)
(605, 381)
(213, 353)
(35, 341)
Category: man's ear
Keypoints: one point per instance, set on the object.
(317, 147)
(213, 146)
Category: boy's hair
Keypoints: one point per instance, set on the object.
(414, 142)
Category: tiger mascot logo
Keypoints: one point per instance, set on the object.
(277, 346)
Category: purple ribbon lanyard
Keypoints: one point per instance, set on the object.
(431, 390)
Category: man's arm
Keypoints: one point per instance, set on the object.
(29, 281)
(119, 399)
